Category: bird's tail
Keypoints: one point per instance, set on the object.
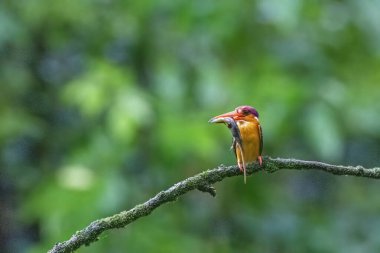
(244, 169)
(242, 165)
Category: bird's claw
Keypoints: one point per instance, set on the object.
(241, 167)
(260, 159)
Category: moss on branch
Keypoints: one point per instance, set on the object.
(202, 182)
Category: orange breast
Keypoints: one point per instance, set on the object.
(249, 132)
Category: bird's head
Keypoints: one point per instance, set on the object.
(244, 113)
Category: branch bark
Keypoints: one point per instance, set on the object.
(202, 182)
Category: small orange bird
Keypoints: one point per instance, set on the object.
(247, 136)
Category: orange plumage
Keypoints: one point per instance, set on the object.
(247, 138)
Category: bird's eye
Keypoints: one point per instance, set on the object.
(242, 111)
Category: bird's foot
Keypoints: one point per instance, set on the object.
(241, 167)
(260, 158)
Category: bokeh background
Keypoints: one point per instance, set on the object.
(104, 103)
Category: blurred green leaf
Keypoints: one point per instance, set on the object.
(105, 103)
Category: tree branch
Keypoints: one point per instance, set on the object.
(202, 182)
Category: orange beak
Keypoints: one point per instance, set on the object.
(223, 118)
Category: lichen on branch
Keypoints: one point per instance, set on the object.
(203, 182)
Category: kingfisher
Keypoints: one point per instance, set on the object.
(247, 135)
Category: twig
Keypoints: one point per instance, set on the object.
(202, 182)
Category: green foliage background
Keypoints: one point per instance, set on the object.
(104, 103)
